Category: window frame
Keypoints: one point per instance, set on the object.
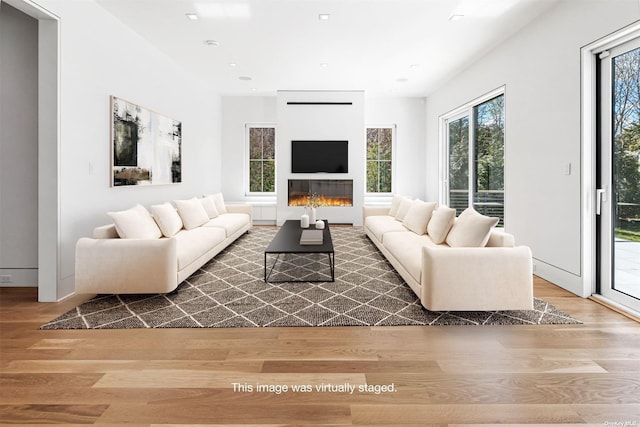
(467, 110)
(393, 128)
(247, 160)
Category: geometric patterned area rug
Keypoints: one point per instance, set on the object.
(230, 291)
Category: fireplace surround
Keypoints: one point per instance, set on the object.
(329, 192)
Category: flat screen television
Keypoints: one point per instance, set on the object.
(319, 156)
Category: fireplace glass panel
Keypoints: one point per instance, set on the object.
(330, 192)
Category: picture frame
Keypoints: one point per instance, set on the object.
(146, 147)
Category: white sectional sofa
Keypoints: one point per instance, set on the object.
(153, 252)
(452, 264)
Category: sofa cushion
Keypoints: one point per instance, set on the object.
(441, 222)
(229, 222)
(378, 225)
(209, 206)
(167, 219)
(418, 216)
(471, 229)
(192, 213)
(194, 243)
(406, 247)
(135, 223)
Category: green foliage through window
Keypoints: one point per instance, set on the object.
(379, 161)
(262, 163)
(483, 161)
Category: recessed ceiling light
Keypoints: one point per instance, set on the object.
(324, 64)
(456, 17)
(414, 66)
(191, 16)
(402, 80)
(232, 64)
(324, 16)
(213, 43)
(253, 89)
(244, 78)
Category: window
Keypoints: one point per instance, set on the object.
(380, 159)
(474, 141)
(262, 158)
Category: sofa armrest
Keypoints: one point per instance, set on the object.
(241, 208)
(477, 278)
(374, 211)
(500, 238)
(106, 232)
(112, 266)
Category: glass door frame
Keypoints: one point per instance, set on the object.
(606, 203)
(589, 159)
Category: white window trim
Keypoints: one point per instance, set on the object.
(443, 134)
(247, 128)
(394, 131)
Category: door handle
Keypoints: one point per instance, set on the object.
(601, 196)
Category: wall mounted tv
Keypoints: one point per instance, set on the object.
(319, 156)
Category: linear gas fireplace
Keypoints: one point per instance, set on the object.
(330, 192)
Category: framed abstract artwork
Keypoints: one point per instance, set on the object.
(146, 146)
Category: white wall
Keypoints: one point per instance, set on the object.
(102, 57)
(18, 147)
(407, 114)
(540, 67)
(237, 112)
(321, 122)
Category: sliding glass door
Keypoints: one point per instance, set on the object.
(475, 157)
(618, 198)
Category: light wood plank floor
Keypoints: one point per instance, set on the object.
(561, 375)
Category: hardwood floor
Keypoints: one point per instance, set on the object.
(575, 374)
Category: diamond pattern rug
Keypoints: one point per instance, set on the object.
(229, 291)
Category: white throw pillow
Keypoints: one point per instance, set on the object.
(192, 213)
(219, 202)
(395, 204)
(441, 222)
(471, 229)
(135, 223)
(418, 216)
(210, 206)
(403, 209)
(167, 218)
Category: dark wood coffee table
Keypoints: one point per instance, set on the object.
(287, 241)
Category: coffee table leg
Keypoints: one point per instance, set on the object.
(266, 276)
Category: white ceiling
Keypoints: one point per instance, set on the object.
(366, 45)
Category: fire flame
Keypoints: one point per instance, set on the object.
(323, 201)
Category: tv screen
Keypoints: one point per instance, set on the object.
(319, 156)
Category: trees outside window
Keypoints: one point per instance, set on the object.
(262, 159)
(474, 141)
(379, 159)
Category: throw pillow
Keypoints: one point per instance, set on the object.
(135, 223)
(210, 206)
(471, 229)
(219, 202)
(395, 204)
(418, 216)
(403, 209)
(441, 222)
(167, 219)
(192, 213)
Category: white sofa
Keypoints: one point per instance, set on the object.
(143, 252)
(494, 275)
